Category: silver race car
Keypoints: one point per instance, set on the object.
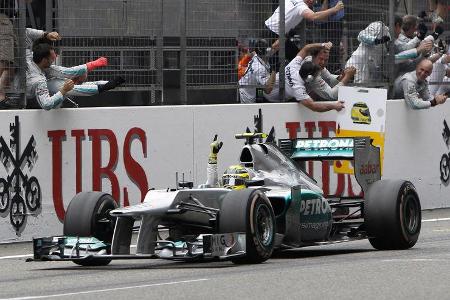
(279, 207)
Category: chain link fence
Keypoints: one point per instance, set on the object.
(12, 53)
(188, 51)
(128, 33)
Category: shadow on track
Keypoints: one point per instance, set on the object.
(308, 252)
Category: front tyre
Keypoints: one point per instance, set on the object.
(392, 215)
(88, 216)
(249, 211)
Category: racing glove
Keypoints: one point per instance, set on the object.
(215, 148)
(437, 32)
(422, 31)
(100, 62)
(383, 40)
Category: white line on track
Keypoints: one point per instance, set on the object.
(415, 260)
(105, 290)
(436, 220)
(16, 256)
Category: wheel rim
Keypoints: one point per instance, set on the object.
(102, 226)
(411, 214)
(264, 225)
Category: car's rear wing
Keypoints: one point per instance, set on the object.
(364, 156)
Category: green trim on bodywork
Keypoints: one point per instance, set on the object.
(305, 194)
(90, 243)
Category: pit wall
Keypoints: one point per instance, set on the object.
(125, 151)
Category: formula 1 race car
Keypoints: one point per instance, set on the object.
(280, 207)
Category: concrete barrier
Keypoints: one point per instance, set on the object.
(47, 157)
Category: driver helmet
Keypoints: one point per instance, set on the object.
(235, 177)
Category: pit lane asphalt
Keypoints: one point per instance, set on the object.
(351, 270)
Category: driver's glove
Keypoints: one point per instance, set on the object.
(215, 148)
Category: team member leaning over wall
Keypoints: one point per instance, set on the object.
(325, 87)
(257, 73)
(298, 73)
(37, 89)
(413, 87)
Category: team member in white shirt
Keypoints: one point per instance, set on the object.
(257, 75)
(368, 57)
(439, 77)
(295, 11)
(298, 73)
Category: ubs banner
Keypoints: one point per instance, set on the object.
(48, 157)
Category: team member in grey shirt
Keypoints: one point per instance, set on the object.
(37, 90)
(31, 35)
(414, 35)
(325, 86)
(413, 87)
(299, 73)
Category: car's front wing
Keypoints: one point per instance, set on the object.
(209, 246)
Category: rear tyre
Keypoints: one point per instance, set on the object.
(88, 216)
(249, 211)
(392, 215)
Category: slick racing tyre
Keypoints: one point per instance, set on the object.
(392, 215)
(88, 216)
(249, 211)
